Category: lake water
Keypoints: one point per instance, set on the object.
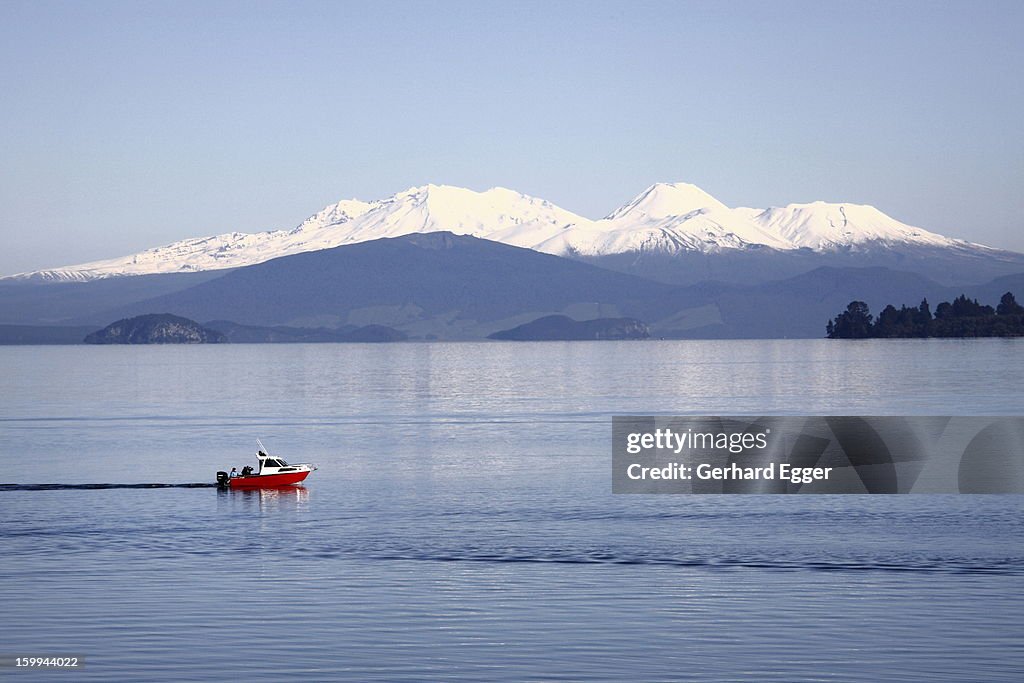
(462, 526)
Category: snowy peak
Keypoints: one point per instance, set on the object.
(663, 200)
(822, 226)
(463, 211)
(498, 214)
(670, 217)
(335, 214)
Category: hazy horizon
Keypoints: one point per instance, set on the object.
(131, 126)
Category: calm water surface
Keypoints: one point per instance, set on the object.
(461, 525)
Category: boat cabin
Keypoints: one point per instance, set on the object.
(271, 464)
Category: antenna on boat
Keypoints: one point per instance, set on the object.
(262, 448)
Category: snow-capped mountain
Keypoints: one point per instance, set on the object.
(497, 214)
(228, 250)
(663, 200)
(666, 218)
(822, 226)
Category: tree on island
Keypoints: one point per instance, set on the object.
(1009, 306)
(853, 323)
(962, 307)
(962, 317)
(905, 322)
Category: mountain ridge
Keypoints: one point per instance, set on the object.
(666, 219)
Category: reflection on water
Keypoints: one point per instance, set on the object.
(270, 498)
(461, 524)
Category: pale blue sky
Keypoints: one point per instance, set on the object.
(129, 125)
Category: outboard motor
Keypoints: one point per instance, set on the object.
(223, 480)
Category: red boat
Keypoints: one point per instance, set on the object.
(271, 472)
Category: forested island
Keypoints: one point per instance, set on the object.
(962, 317)
(165, 328)
(155, 328)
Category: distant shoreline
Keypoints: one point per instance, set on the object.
(5, 342)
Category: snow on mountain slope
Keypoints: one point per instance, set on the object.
(665, 218)
(663, 200)
(229, 250)
(705, 230)
(821, 226)
(498, 214)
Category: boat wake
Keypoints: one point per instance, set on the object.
(89, 487)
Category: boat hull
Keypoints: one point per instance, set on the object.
(267, 481)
